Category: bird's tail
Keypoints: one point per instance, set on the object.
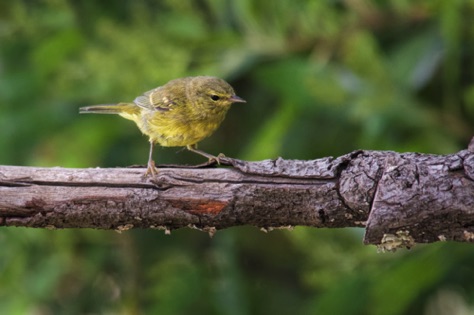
(126, 110)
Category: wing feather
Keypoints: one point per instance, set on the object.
(166, 97)
(155, 100)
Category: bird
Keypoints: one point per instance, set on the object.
(179, 113)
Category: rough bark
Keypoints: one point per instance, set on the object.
(401, 199)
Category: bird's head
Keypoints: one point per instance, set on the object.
(212, 92)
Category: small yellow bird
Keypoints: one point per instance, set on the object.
(180, 113)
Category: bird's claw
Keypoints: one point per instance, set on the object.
(151, 169)
(217, 159)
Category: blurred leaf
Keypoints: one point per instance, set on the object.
(388, 288)
(341, 300)
(415, 60)
(267, 144)
(362, 55)
(53, 51)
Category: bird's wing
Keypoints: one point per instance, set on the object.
(156, 99)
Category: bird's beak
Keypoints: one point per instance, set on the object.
(236, 99)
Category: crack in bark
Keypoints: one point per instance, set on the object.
(378, 177)
(257, 180)
(7, 183)
(76, 184)
(340, 168)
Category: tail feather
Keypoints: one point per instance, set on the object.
(126, 110)
(102, 109)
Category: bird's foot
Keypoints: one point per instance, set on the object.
(151, 169)
(216, 159)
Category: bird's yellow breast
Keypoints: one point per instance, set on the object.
(174, 129)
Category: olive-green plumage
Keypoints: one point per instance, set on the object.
(180, 113)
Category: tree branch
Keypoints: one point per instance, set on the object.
(401, 199)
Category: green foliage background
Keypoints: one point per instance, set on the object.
(321, 78)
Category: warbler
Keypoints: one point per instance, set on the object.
(180, 113)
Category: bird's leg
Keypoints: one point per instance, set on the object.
(193, 148)
(151, 169)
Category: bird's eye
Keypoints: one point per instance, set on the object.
(215, 97)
